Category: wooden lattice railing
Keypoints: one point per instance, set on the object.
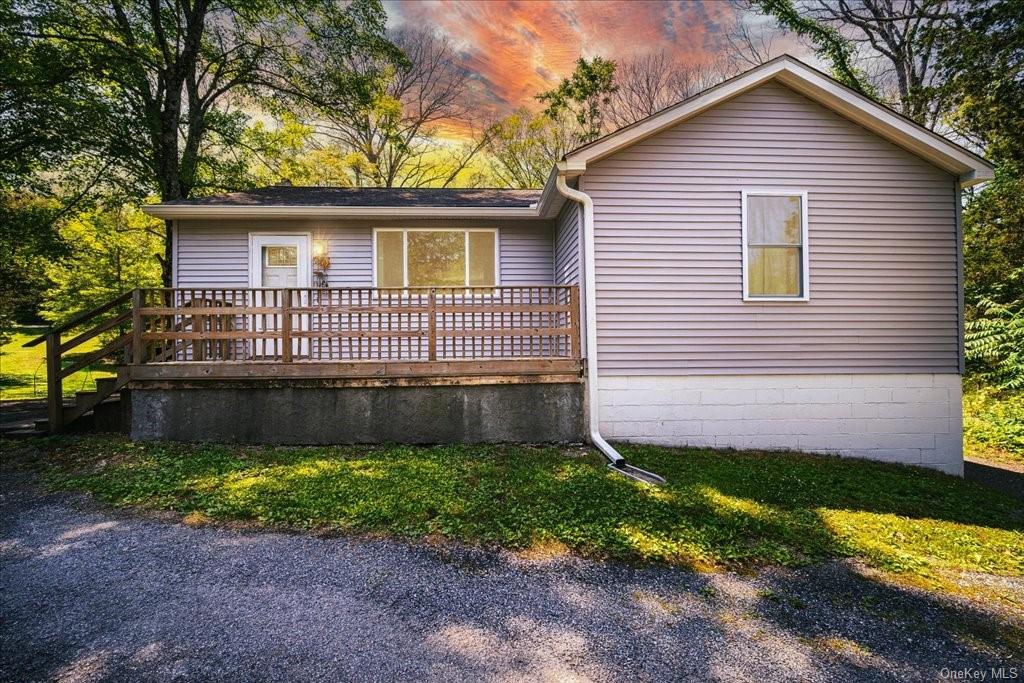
(355, 324)
(159, 327)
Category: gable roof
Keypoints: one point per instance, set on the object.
(813, 84)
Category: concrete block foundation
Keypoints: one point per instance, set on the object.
(526, 413)
(915, 419)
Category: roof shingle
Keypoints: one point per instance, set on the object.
(283, 195)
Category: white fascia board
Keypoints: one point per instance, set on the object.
(183, 211)
(971, 169)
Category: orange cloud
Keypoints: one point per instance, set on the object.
(516, 48)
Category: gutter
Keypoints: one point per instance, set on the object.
(616, 462)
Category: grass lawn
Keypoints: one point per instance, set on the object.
(23, 371)
(720, 509)
(994, 426)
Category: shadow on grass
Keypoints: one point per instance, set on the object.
(719, 509)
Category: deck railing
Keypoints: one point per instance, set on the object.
(194, 328)
(309, 325)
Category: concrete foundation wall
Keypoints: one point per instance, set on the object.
(906, 418)
(530, 413)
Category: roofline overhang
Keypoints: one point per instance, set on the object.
(194, 211)
(969, 168)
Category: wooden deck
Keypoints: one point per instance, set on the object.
(172, 337)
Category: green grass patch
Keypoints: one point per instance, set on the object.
(23, 371)
(994, 425)
(720, 509)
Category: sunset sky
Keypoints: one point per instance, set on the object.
(516, 48)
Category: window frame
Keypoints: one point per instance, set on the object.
(805, 250)
(405, 255)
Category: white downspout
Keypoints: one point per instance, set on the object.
(615, 459)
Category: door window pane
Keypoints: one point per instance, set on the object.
(389, 259)
(481, 259)
(280, 256)
(280, 266)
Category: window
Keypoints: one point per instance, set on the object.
(436, 258)
(775, 246)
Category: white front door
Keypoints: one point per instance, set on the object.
(279, 261)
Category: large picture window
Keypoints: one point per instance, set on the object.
(435, 258)
(775, 262)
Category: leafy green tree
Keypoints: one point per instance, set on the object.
(27, 240)
(993, 227)
(981, 62)
(585, 94)
(172, 77)
(291, 152)
(522, 147)
(111, 252)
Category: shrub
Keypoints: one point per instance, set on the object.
(994, 343)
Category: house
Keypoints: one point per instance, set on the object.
(774, 263)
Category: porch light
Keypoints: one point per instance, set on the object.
(319, 248)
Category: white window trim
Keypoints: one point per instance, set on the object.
(805, 251)
(261, 239)
(405, 252)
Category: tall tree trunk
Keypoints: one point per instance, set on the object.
(166, 263)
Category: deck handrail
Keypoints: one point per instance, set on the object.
(56, 373)
(77, 319)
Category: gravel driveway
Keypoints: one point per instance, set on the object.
(87, 594)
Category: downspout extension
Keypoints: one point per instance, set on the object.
(616, 462)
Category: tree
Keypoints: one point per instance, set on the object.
(648, 83)
(829, 44)
(584, 94)
(40, 82)
(982, 66)
(290, 151)
(522, 147)
(748, 46)
(111, 253)
(395, 128)
(173, 76)
(884, 48)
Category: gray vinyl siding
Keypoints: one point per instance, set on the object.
(216, 253)
(211, 257)
(567, 245)
(525, 253)
(883, 248)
